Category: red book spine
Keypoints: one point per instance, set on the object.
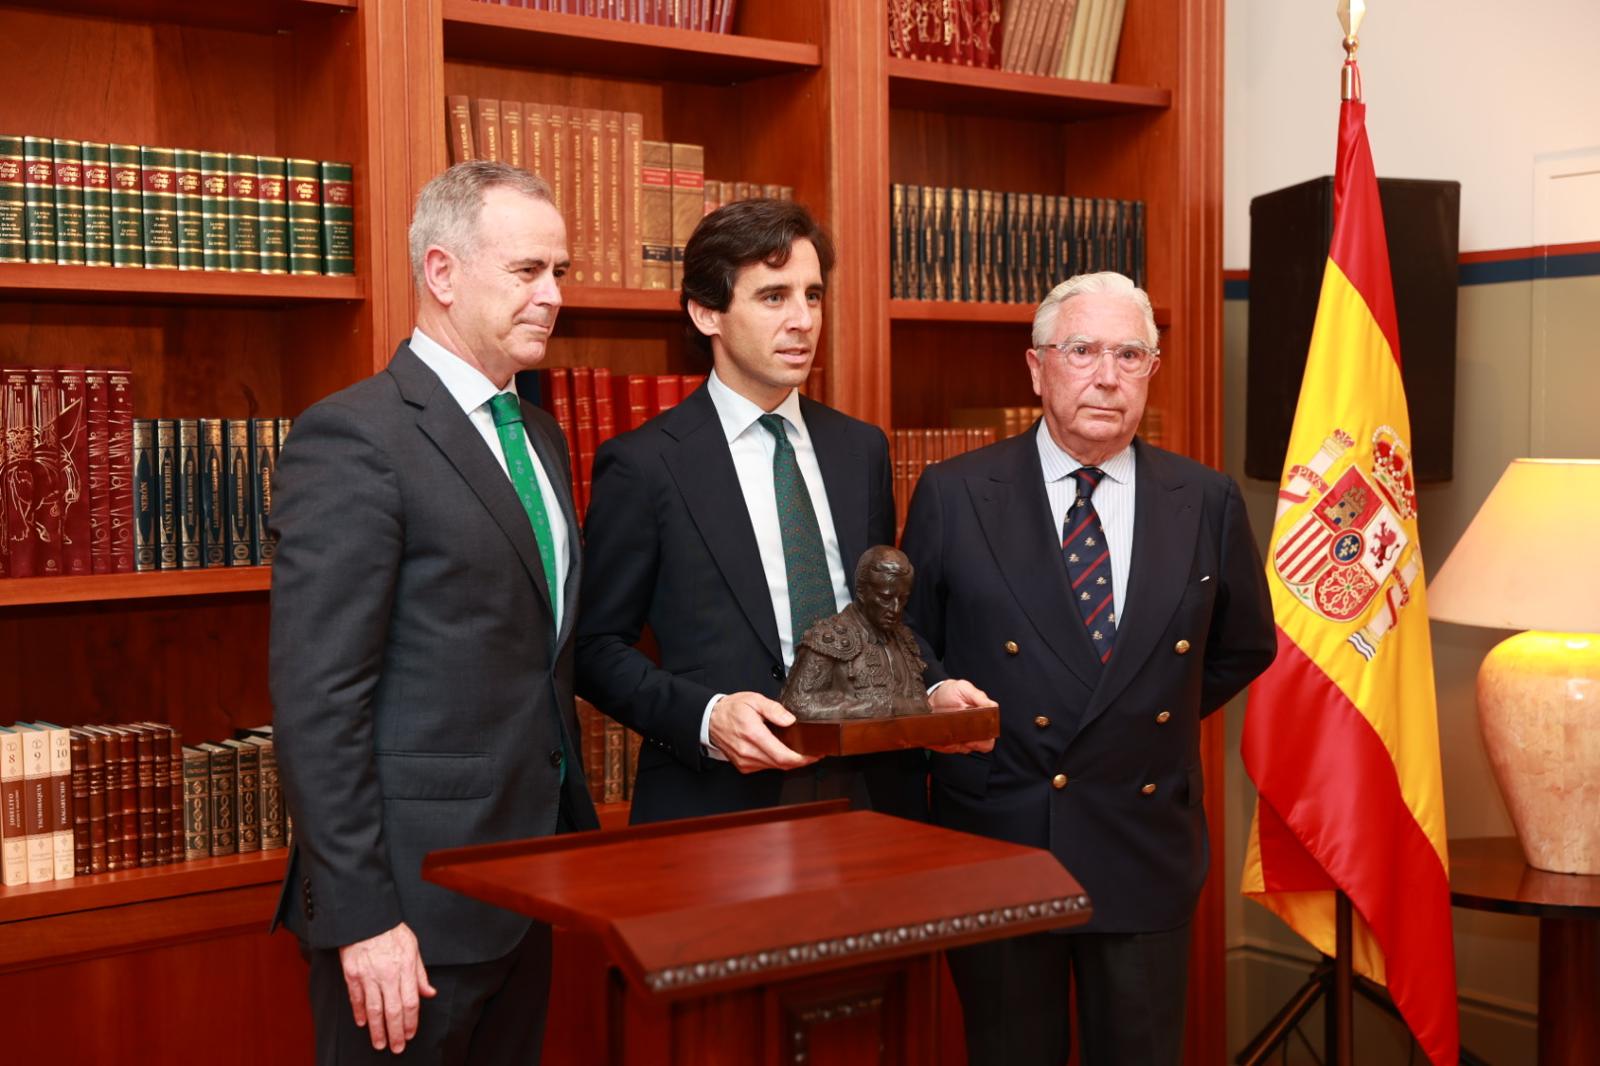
(72, 430)
(96, 746)
(16, 509)
(145, 770)
(80, 803)
(97, 409)
(668, 392)
(49, 482)
(605, 417)
(687, 383)
(583, 423)
(120, 448)
(638, 400)
(561, 407)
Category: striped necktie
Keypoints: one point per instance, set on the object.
(1088, 559)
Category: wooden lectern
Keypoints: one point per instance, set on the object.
(792, 935)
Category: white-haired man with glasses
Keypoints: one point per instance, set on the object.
(1108, 595)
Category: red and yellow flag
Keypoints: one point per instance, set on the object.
(1341, 736)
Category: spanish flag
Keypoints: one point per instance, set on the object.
(1341, 736)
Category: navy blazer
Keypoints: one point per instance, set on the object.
(669, 544)
(992, 602)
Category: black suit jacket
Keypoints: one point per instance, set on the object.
(668, 543)
(1128, 823)
(420, 693)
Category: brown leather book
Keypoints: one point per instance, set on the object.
(592, 748)
(16, 415)
(97, 411)
(168, 834)
(486, 128)
(592, 175)
(535, 141)
(688, 199)
(559, 150)
(655, 214)
(613, 200)
(72, 438)
(458, 113)
(511, 146)
(145, 770)
(633, 199)
(80, 802)
(560, 393)
(49, 480)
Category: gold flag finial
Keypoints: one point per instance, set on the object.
(1351, 12)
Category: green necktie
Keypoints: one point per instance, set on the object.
(514, 443)
(805, 562)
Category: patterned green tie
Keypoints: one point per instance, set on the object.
(514, 443)
(805, 562)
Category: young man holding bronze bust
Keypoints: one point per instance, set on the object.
(729, 525)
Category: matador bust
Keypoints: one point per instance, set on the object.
(862, 662)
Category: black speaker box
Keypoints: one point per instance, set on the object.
(1290, 231)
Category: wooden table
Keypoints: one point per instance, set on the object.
(1490, 874)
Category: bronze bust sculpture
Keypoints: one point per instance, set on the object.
(862, 662)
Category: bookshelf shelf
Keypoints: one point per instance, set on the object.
(53, 898)
(260, 16)
(81, 284)
(578, 43)
(221, 581)
(924, 85)
(979, 312)
(597, 300)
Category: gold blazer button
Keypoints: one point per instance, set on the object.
(1182, 647)
(1059, 781)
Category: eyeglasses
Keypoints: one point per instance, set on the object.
(1131, 360)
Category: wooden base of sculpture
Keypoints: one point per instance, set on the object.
(860, 736)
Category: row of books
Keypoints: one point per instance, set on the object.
(630, 204)
(1074, 39)
(911, 451)
(707, 16)
(610, 753)
(202, 491)
(85, 203)
(1009, 247)
(95, 799)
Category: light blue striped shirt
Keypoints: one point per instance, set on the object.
(1113, 502)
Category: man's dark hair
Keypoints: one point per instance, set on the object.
(736, 235)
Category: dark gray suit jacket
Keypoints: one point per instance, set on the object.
(420, 693)
(993, 601)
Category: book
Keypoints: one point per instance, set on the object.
(511, 131)
(119, 446)
(96, 204)
(224, 797)
(72, 442)
(213, 495)
(37, 834)
(16, 415)
(338, 219)
(247, 758)
(39, 198)
(215, 220)
(458, 120)
(88, 754)
(536, 142)
(196, 804)
(49, 478)
(632, 217)
(172, 823)
(190, 480)
(97, 412)
(107, 776)
(613, 201)
(241, 547)
(688, 197)
(305, 216)
(62, 845)
(191, 211)
(655, 214)
(244, 214)
(486, 129)
(273, 835)
(159, 174)
(166, 462)
(272, 198)
(146, 496)
(67, 165)
(587, 128)
(13, 201)
(263, 460)
(558, 147)
(147, 833)
(127, 206)
(13, 821)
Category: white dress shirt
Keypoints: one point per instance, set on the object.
(473, 391)
(753, 448)
(1113, 502)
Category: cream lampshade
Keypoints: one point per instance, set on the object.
(1530, 560)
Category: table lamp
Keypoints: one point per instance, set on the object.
(1530, 560)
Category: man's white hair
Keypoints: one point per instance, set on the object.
(1108, 282)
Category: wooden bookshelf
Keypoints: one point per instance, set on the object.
(26, 902)
(979, 311)
(259, 16)
(599, 301)
(915, 83)
(101, 588)
(81, 284)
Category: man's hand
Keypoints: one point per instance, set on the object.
(739, 730)
(956, 695)
(384, 975)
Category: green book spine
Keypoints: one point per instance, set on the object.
(189, 481)
(68, 173)
(196, 804)
(146, 496)
(236, 462)
(338, 219)
(214, 211)
(167, 504)
(13, 201)
(213, 495)
(160, 174)
(96, 204)
(305, 217)
(224, 799)
(39, 198)
(272, 194)
(127, 207)
(244, 215)
(190, 222)
(263, 459)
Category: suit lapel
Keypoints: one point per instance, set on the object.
(451, 431)
(1014, 513)
(1166, 518)
(702, 468)
(844, 478)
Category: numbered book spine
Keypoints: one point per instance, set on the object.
(72, 457)
(39, 198)
(338, 219)
(13, 201)
(167, 502)
(213, 495)
(119, 386)
(127, 207)
(244, 215)
(305, 217)
(190, 479)
(196, 804)
(36, 804)
(13, 820)
(272, 192)
(191, 214)
(160, 176)
(63, 847)
(68, 176)
(236, 462)
(214, 218)
(96, 203)
(146, 496)
(263, 460)
(247, 757)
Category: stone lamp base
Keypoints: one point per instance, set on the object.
(1539, 708)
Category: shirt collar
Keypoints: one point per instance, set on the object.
(737, 413)
(1059, 464)
(466, 384)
